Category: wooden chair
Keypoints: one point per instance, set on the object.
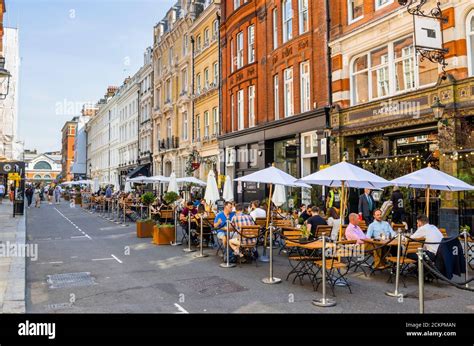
(411, 247)
(166, 215)
(363, 225)
(397, 226)
(279, 223)
(289, 234)
(322, 229)
(444, 232)
(261, 221)
(248, 241)
(337, 264)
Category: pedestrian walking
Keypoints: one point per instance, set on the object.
(29, 195)
(50, 195)
(57, 194)
(36, 196)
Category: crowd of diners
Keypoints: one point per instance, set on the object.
(239, 215)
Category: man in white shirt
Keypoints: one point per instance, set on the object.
(256, 211)
(431, 234)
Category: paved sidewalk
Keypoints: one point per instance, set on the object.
(12, 268)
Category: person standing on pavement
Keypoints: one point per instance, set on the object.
(57, 194)
(398, 208)
(366, 206)
(37, 197)
(108, 192)
(50, 195)
(2, 192)
(29, 195)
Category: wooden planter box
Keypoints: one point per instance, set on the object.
(145, 229)
(163, 235)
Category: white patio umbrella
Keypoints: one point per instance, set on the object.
(95, 185)
(191, 180)
(139, 180)
(345, 175)
(173, 185)
(212, 192)
(228, 191)
(158, 179)
(431, 179)
(279, 196)
(128, 187)
(82, 182)
(271, 176)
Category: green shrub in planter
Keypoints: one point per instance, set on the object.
(170, 197)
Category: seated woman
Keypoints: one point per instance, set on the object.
(335, 222)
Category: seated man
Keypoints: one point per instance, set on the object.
(353, 231)
(189, 210)
(306, 214)
(220, 222)
(431, 233)
(238, 221)
(314, 221)
(257, 212)
(379, 227)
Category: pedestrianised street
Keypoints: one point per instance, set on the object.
(89, 264)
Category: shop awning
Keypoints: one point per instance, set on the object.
(140, 170)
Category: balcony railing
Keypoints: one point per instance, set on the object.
(168, 143)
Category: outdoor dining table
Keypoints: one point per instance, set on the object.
(380, 254)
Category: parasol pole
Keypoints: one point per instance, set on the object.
(428, 202)
(264, 257)
(343, 208)
(269, 204)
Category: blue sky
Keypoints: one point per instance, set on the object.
(71, 50)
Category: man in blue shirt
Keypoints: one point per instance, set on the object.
(379, 227)
(220, 222)
(108, 192)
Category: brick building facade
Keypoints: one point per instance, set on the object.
(383, 92)
(274, 87)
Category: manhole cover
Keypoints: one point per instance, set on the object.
(427, 295)
(212, 286)
(70, 280)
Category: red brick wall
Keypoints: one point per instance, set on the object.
(269, 62)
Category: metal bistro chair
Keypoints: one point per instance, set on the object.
(302, 262)
(337, 264)
(406, 264)
(207, 229)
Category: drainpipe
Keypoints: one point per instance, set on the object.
(192, 89)
(138, 124)
(329, 61)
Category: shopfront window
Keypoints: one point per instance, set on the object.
(286, 156)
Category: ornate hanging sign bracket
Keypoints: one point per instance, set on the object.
(428, 31)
